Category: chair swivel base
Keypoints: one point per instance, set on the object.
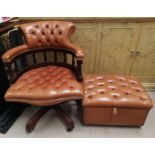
(64, 117)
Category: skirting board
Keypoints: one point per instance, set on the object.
(149, 86)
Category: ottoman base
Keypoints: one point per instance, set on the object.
(105, 116)
(114, 100)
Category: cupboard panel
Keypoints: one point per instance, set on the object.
(118, 40)
(144, 63)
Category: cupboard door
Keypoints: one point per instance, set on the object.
(87, 36)
(118, 40)
(144, 64)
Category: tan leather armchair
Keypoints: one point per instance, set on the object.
(50, 82)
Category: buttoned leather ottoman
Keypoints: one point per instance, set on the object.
(114, 100)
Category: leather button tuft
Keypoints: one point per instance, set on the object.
(47, 26)
(121, 79)
(101, 92)
(89, 81)
(100, 84)
(56, 25)
(48, 40)
(133, 83)
(52, 33)
(138, 90)
(90, 88)
(115, 96)
(126, 93)
(90, 96)
(99, 78)
(111, 82)
(60, 32)
(36, 26)
(33, 32)
(141, 98)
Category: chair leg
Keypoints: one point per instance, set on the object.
(65, 118)
(35, 118)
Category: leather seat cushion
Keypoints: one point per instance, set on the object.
(45, 86)
(115, 90)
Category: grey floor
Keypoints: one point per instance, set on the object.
(50, 126)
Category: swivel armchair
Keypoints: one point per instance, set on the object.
(48, 82)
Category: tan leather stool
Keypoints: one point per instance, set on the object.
(114, 100)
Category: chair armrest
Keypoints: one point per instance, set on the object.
(12, 53)
(78, 51)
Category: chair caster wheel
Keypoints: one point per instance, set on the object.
(28, 129)
(69, 128)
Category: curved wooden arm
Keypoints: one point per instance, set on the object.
(78, 51)
(10, 54)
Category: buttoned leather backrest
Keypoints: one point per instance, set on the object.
(47, 33)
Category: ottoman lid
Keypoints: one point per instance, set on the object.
(116, 91)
